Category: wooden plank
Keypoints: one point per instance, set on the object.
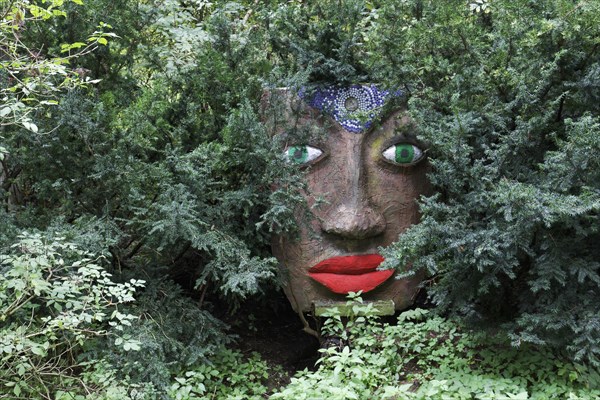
(379, 307)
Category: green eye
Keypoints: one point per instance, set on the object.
(403, 154)
(302, 154)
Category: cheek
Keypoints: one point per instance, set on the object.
(328, 173)
(327, 185)
(395, 195)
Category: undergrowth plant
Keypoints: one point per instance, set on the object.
(55, 301)
(424, 356)
(174, 333)
(229, 376)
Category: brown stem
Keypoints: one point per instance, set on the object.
(203, 289)
(7, 9)
(305, 323)
(134, 251)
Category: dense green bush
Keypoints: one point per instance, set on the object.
(55, 301)
(505, 94)
(505, 99)
(163, 168)
(169, 167)
(173, 334)
(148, 150)
(30, 79)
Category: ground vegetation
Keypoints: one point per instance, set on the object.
(138, 199)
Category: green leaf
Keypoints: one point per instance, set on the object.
(5, 111)
(38, 350)
(30, 126)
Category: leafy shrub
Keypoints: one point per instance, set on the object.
(29, 80)
(427, 357)
(55, 300)
(173, 164)
(503, 96)
(229, 376)
(174, 335)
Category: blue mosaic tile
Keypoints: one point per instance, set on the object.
(354, 107)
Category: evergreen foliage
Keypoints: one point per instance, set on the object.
(504, 101)
(503, 92)
(131, 128)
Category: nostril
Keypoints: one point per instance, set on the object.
(353, 223)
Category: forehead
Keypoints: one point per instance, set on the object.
(355, 108)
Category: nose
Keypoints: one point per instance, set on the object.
(354, 221)
(352, 214)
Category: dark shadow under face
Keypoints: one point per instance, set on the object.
(369, 183)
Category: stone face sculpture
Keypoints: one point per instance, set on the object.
(367, 172)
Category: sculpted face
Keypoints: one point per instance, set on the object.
(367, 173)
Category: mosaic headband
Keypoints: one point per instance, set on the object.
(354, 107)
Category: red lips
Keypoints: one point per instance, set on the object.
(350, 273)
